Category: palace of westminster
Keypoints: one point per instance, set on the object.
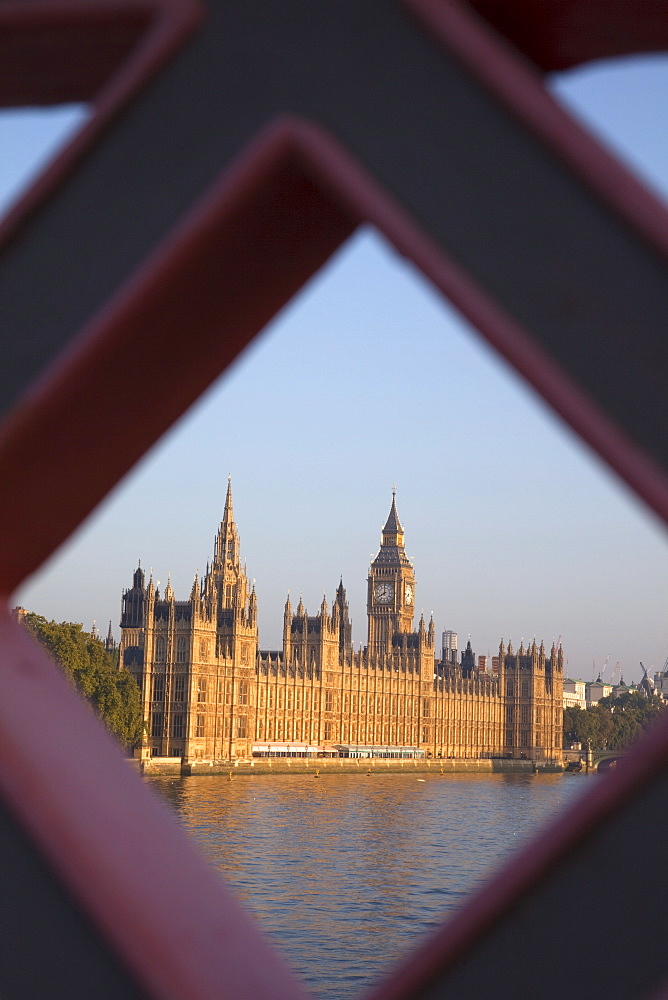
(209, 692)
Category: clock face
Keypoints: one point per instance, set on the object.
(408, 592)
(383, 593)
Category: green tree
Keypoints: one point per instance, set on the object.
(112, 693)
(614, 723)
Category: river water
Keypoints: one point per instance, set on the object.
(346, 872)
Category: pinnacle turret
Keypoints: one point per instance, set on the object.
(228, 512)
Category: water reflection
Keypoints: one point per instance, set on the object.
(346, 871)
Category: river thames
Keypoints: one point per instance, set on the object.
(345, 873)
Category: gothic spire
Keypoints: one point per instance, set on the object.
(392, 540)
(228, 513)
(393, 524)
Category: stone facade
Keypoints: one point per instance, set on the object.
(209, 692)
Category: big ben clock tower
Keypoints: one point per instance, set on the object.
(391, 593)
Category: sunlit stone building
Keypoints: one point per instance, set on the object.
(210, 693)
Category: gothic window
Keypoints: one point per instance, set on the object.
(425, 734)
(261, 697)
(525, 689)
(133, 656)
(179, 688)
(160, 649)
(510, 689)
(525, 715)
(157, 724)
(228, 693)
(260, 729)
(241, 727)
(280, 699)
(298, 700)
(328, 701)
(158, 687)
(524, 738)
(203, 650)
(328, 730)
(201, 689)
(509, 737)
(425, 708)
(244, 652)
(199, 728)
(509, 714)
(178, 727)
(220, 692)
(243, 692)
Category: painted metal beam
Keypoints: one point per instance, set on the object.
(232, 148)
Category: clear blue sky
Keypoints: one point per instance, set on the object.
(366, 379)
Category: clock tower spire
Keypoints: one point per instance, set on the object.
(391, 593)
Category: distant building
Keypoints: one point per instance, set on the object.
(598, 689)
(574, 693)
(661, 682)
(449, 646)
(482, 663)
(209, 693)
(623, 688)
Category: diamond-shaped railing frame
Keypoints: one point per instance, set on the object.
(158, 244)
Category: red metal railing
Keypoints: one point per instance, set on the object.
(228, 230)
